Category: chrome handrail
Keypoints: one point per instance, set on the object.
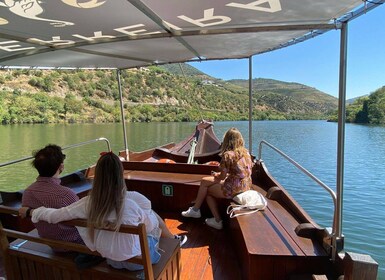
(65, 148)
(328, 189)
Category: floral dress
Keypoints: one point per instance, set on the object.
(239, 174)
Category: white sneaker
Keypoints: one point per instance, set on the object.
(191, 213)
(182, 239)
(213, 223)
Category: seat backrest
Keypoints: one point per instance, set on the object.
(139, 230)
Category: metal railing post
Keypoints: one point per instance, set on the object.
(250, 104)
(338, 238)
(122, 115)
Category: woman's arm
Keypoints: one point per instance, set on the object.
(52, 216)
(220, 175)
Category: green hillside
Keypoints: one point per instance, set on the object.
(164, 93)
(296, 100)
(366, 109)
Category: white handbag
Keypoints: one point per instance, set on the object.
(248, 202)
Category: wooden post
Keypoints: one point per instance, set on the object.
(359, 267)
(4, 244)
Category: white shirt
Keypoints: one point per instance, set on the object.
(113, 245)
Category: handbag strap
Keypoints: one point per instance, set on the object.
(232, 208)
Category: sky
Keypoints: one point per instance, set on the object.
(315, 62)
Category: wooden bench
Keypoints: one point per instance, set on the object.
(31, 257)
(268, 238)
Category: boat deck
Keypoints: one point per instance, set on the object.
(208, 253)
(262, 245)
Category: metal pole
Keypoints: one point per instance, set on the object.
(122, 115)
(250, 105)
(338, 242)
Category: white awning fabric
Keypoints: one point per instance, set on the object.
(124, 34)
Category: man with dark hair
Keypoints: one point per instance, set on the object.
(48, 192)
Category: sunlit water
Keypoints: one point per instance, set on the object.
(312, 144)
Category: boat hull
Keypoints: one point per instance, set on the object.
(280, 242)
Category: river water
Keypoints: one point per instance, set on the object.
(312, 144)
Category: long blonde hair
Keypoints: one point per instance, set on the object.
(233, 141)
(107, 194)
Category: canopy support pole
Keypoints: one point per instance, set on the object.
(250, 105)
(337, 236)
(122, 116)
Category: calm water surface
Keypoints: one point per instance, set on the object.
(310, 143)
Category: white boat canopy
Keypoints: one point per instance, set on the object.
(122, 34)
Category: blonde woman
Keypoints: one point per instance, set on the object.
(234, 178)
(110, 204)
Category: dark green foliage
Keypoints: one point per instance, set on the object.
(46, 83)
(72, 105)
(368, 109)
(376, 107)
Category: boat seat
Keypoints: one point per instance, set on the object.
(269, 237)
(77, 182)
(31, 257)
(162, 150)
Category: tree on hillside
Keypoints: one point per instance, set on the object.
(72, 105)
(376, 107)
(368, 109)
(362, 115)
(4, 115)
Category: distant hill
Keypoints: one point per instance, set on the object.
(352, 100)
(292, 98)
(157, 93)
(182, 69)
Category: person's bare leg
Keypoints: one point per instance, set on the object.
(202, 192)
(214, 192)
(165, 231)
(212, 203)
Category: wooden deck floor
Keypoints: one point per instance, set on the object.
(208, 253)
